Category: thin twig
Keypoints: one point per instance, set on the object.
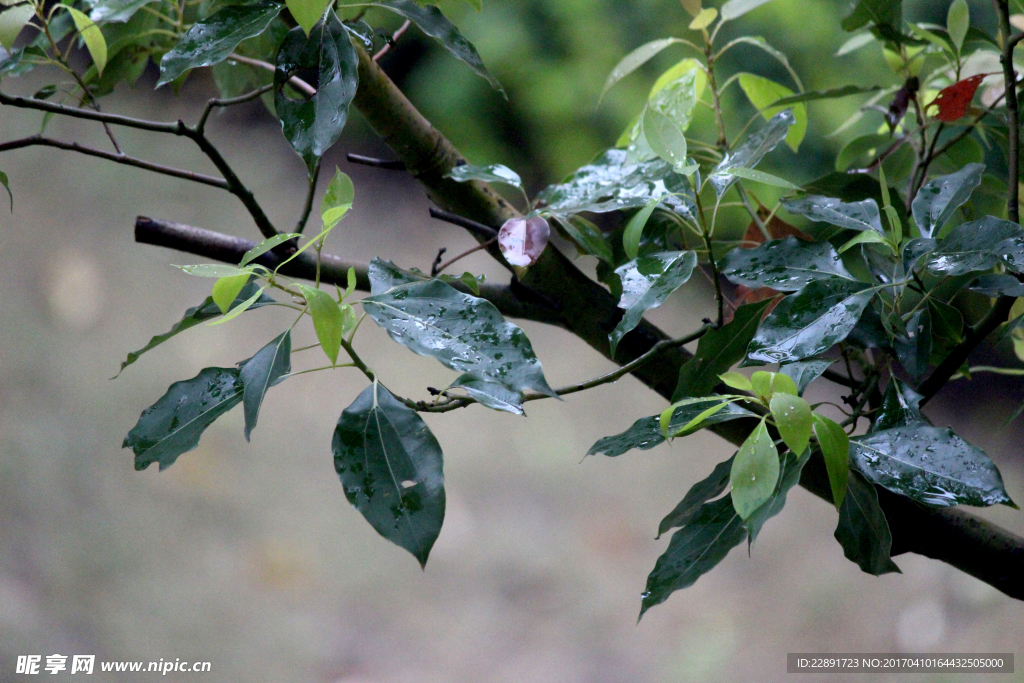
(296, 82)
(479, 229)
(434, 271)
(376, 163)
(229, 102)
(394, 38)
(308, 206)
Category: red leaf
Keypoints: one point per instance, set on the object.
(954, 100)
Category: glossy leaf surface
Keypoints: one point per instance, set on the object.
(863, 531)
(786, 265)
(792, 466)
(116, 10)
(261, 372)
(862, 215)
(901, 406)
(753, 149)
(940, 197)
(490, 394)
(390, 465)
(763, 93)
(91, 34)
(307, 12)
(646, 433)
(328, 320)
(495, 173)
(701, 492)
(914, 348)
(646, 283)
(634, 60)
(737, 8)
(805, 371)
(755, 472)
(974, 246)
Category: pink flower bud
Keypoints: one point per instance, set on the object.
(522, 240)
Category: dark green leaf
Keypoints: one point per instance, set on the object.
(261, 372)
(930, 465)
(10, 62)
(977, 245)
(940, 197)
(385, 275)
(834, 93)
(586, 236)
(495, 173)
(646, 433)
(883, 13)
(611, 184)
(634, 230)
(863, 530)
(811, 321)
(116, 10)
(786, 265)
(901, 406)
(914, 249)
(753, 149)
(805, 371)
(313, 125)
(391, 468)
(172, 426)
(193, 316)
(755, 472)
(858, 216)
(947, 327)
(646, 283)
(915, 347)
(434, 24)
(701, 492)
(997, 285)
(694, 550)
(861, 150)
(213, 39)
(717, 351)
(491, 395)
(792, 466)
(463, 332)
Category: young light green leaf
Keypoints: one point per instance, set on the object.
(737, 8)
(646, 283)
(762, 177)
(226, 289)
(764, 95)
(863, 530)
(736, 380)
(646, 433)
(351, 283)
(328, 321)
(307, 12)
(856, 42)
(634, 60)
(703, 19)
(792, 466)
(495, 173)
(262, 371)
(93, 37)
(337, 199)
(12, 21)
(958, 20)
(783, 384)
(4, 181)
(700, 418)
(239, 309)
(755, 472)
(665, 138)
(761, 383)
(266, 245)
(869, 237)
(635, 228)
(214, 270)
(835, 447)
(669, 421)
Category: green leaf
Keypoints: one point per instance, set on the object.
(811, 321)
(703, 19)
(646, 283)
(863, 530)
(91, 34)
(240, 308)
(861, 150)
(264, 370)
(861, 216)
(940, 197)
(666, 118)
(930, 465)
(312, 126)
(975, 246)
(832, 93)
(490, 394)
(586, 236)
(737, 8)
(337, 199)
(736, 380)
(786, 265)
(328, 320)
(391, 468)
(761, 383)
(13, 20)
(700, 493)
(495, 173)
(216, 270)
(211, 41)
(781, 383)
(646, 433)
(634, 60)
(463, 332)
(694, 550)
(688, 428)
(266, 245)
(753, 149)
(434, 24)
(611, 184)
(835, 447)
(793, 419)
(793, 465)
(755, 472)
(763, 94)
(762, 177)
(4, 181)
(226, 290)
(901, 406)
(864, 238)
(855, 43)
(172, 426)
(958, 20)
(635, 228)
(116, 10)
(805, 371)
(995, 285)
(307, 12)
(915, 347)
(882, 13)
(719, 350)
(194, 316)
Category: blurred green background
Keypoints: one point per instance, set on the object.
(248, 555)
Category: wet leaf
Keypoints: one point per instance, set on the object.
(792, 466)
(194, 316)
(811, 321)
(667, 117)
(863, 530)
(495, 173)
(762, 177)
(634, 231)
(312, 126)
(717, 351)
(701, 492)
(997, 285)
(239, 309)
(764, 93)
(211, 41)
(805, 371)
(172, 426)
(940, 197)
(793, 419)
(586, 236)
(646, 283)
(431, 21)
(634, 60)
(859, 216)
(755, 472)
(646, 433)
(490, 395)
(786, 265)
(328, 320)
(930, 465)
(523, 240)
(915, 347)
(753, 149)
(262, 371)
(974, 246)
(216, 270)
(463, 332)
(835, 449)
(116, 10)
(879, 13)
(901, 406)
(390, 466)
(694, 550)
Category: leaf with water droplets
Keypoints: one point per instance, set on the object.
(792, 466)
(863, 530)
(915, 347)
(463, 332)
(495, 173)
(930, 465)
(755, 472)
(935, 203)
(391, 468)
(701, 492)
(262, 371)
(793, 418)
(646, 283)
(811, 321)
(490, 395)
(974, 246)
(646, 433)
(861, 216)
(804, 372)
(786, 265)
(172, 426)
(753, 149)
